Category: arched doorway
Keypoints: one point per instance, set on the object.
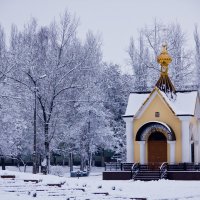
(153, 138)
(157, 148)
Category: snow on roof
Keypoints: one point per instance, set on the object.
(135, 101)
(183, 105)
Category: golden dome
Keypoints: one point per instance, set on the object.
(164, 83)
(164, 58)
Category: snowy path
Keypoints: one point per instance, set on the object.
(93, 188)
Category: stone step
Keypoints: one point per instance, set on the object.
(149, 171)
(147, 174)
(142, 175)
(157, 175)
(147, 179)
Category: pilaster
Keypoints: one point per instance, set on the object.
(172, 151)
(129, 139)
(198, 138)
(142, 152)
(185, 134)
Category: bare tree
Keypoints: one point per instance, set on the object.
(150, 42)
(53, 52)
(138, 57)
(197, 55)
(51, 64)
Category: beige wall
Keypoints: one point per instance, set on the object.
(166, 116)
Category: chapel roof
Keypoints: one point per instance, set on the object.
(183, 105)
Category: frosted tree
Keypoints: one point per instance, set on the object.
(151, 40)
(45, 60)
(116, 87)
(4, 67)
(11, 128)
(57, 75)
(91, 128)
(197, 56)
(138, 60)
(181, 67)
(14, 134)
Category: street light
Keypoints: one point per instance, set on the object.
(35, 126)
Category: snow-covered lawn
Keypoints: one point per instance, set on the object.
(92, 188)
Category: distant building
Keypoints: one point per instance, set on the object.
(163, 125)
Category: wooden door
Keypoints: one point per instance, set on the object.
(157, 151)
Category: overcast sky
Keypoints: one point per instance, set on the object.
(115, 20)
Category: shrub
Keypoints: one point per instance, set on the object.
(57, 170)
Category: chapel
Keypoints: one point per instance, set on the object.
(163, 125)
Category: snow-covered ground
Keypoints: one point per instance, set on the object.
(92, 188)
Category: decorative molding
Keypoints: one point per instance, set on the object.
(128, 119)
(147, 129)
(185, 117)
(171, 142)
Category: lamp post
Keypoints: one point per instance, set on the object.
(35, 126)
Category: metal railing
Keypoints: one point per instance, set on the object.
(163, 170)
(113, 166)
(135, 169)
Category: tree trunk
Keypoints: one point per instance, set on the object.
(24, 167)
(63, 161)
(82, 163)
(47, 149)
(3, 163)
(54, 160)
(89, 162)
(37, 163)
(71, 162)
(102, 158)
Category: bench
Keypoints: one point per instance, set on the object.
(54, 184)
(7, 176)
(31, 180)
(104, 193)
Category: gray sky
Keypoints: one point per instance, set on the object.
(115, 20)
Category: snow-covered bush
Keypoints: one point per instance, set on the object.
(99, 187)
(113, 187)
(57, 170)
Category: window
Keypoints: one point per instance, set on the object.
(157, 114)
